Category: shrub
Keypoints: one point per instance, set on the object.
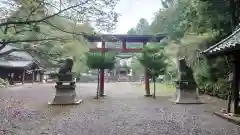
(3, 82)
(218, 89)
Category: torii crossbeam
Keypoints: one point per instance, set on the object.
(124, 38)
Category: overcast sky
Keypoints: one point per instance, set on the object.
(133, 10)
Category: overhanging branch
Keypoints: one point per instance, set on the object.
(56, 27)
(43, 19)
(29, 40)
(30, 51)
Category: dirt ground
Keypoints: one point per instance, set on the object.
(124, 111)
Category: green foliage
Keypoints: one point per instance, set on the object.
(132, 31)
(192, 26)
(99, 61)
(171, 71)
(50, 52)
(176, 25)
(142, 27)
(136, 66)
(195, 26)
(73, 47)
(202, 74)
(220, 88)
(167, 3)
(195, 16)
(63, 27)
(3, 82)
(154, 60)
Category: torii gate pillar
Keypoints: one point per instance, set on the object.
(146, 79)
(101, 87)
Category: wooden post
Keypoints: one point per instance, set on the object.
(234, 18)
(147, 87)
(41, 77)
(124, 46)
(33, 76)
(101, 90)
(23, 76)
(97, 96)
(229, 99)
(236, 75)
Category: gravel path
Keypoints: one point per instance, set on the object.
(124, 111)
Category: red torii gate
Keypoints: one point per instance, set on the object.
(122, 38)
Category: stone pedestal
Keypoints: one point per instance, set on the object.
(175, 95)
(65, 95)
(186, 93)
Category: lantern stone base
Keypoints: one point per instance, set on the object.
(65, 95)
(186, 97)
(186, 93)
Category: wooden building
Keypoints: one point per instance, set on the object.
(20, 67)
(21, 71)
(229, 47)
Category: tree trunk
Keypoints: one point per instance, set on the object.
(233, 15)
(146, 79)
(154, 87)
(229, 100)
(97, 96)
(235, 89)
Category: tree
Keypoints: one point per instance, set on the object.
(197, 25)
(100, 62)
(23, 19)
(154, 60)
(167, 3)
(75, 50)
(132, 31)
(136, 66)
(142, 27)
(193, 26)
(226, 7)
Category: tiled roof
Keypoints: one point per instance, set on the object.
(232, 42)
(17, 57)
(15, 64)
(23, 55)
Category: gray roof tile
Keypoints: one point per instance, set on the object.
(231, 42)
(24, 55)
(16, 64)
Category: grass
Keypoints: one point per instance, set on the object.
(161, 89)
(162, 86)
